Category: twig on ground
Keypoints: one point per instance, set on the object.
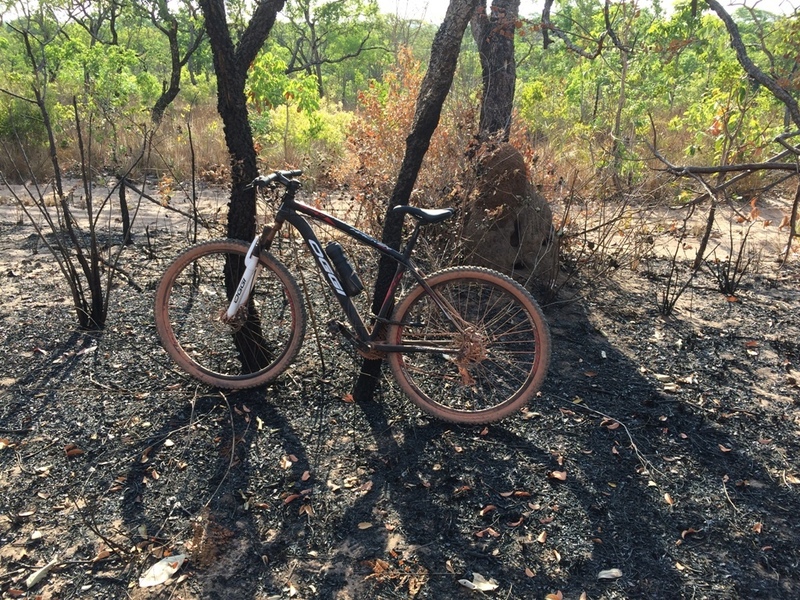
(725, 489)
(649, 467)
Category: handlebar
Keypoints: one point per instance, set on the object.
(282, 177)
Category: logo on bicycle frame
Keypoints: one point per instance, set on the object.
(326, 267)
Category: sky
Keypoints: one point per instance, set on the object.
(434, 10)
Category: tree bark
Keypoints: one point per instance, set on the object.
(494, 34)
(432, 94)
(231, 63)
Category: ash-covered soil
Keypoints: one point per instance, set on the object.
(660, 460)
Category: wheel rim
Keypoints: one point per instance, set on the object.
(488, 364)
(205, 343)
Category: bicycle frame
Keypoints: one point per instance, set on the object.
(292, 211)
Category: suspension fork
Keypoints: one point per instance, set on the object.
(252, 268)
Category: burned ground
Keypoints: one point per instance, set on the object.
(663, 448)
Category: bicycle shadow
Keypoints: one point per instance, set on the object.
(439, 503)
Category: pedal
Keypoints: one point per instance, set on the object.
(335, 327)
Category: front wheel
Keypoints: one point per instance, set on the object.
(250, 350)
(478, 354)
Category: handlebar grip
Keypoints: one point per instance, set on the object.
(282, 177)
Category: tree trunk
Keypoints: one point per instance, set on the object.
(508, 224)
(231, 64)
(433, 92)
(494, 34)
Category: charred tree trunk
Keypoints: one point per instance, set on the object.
(432, 94)
(494, 34)
(231, 63)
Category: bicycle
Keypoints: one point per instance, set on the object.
(466, 344)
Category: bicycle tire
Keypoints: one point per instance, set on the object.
(485, 372)
(194, 293)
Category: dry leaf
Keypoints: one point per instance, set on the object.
(529, 572)
(542, 537)
(364, 525)
(161, 571)
(793, 479)
(479, 583)
(609, 574)
(689, 531)
(72, 450)
(724, 448)
(560, 475)
(37, 576)
(488, 531)
(757, 528)
(668, 499)
(556, 596)
(487, 509)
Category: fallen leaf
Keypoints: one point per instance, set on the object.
(724, 448)
(689, 531)
(479, 583)
(487, 509)
(555, 596)
(609, 574)
(668, 499)
(559, 475)
(529, 572)
(488, 531)
(364, 525)
(542, 538)
(161, 571)
(72, 450)
(757, 528)
(793, 479)
(37, 576)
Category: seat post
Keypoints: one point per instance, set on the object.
(412, 240)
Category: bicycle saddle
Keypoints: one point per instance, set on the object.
(428, 215)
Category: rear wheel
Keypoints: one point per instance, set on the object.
(485, 360)
(250, 350)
